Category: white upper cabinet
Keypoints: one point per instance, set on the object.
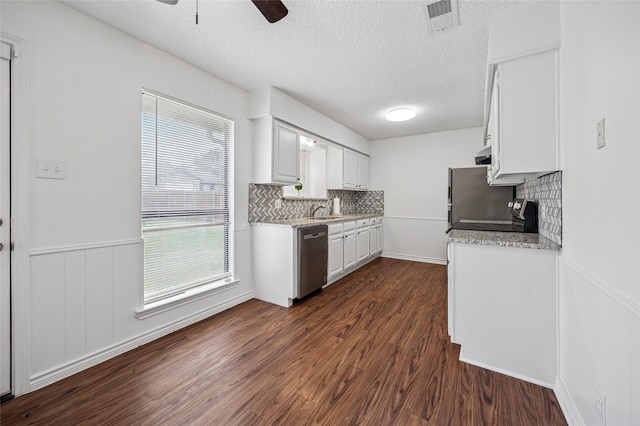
(363, 171)
(524, 140)
(286, 153)
(521, 108)
(276, 157)
(347, 169)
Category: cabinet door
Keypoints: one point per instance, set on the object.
(373, 239)
(336, 255)
(363, 171)
(349, 249)
(362, 244)
(349, 169)
(379, 239)
(527, 111)
(450, 293)
(286, 154)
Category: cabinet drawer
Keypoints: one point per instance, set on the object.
(363, 222)
(348, 226)
(335, 229)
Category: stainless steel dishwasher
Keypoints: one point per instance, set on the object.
(313, 247)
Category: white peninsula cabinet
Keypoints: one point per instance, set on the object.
(276, 155)
(502, 309)
(347, 169)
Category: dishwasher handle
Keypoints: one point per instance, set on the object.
(316, 235)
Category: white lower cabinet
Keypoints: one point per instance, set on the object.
(349, 245)
(275, 264)
(335, 263)
(502, 309)
(373, 239)
(362, 240)
(275, 256)
(375, 236)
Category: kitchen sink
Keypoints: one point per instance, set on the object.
(325, 218)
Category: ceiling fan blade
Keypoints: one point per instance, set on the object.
(273, 10)
(169, 1)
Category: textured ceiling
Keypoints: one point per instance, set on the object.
(350, 60)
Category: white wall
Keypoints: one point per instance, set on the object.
(599, 288)
(412, 172)
(271, 101)
(84, 98)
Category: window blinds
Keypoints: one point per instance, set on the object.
(185, 196)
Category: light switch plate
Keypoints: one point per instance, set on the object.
(600, 133)
(51, 169)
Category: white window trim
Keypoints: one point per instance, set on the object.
(188, 296)
(225, 283)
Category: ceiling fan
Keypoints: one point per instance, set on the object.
(272, 10)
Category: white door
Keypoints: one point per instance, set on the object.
(5, 241)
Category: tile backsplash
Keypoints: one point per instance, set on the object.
(262, 203)
(547, 191)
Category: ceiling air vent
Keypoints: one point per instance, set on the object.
(440, 14)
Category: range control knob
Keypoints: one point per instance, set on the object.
(510, 204)
(517, 205)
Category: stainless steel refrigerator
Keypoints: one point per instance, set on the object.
(474, 205)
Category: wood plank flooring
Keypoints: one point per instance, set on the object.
(371, 349)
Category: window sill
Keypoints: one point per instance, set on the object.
(188, 296)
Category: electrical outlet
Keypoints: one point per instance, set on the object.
(278, 204)
(600, 134)
(51, 169)
(601, 405)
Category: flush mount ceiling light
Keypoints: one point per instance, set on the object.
(400, 114)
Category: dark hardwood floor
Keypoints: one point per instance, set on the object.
(371, 349)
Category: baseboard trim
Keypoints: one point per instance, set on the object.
(569, 409)
(502, 371)
(422, 259)
(80, 364)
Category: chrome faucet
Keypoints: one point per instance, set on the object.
(314, 209)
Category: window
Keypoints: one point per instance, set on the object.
(186, 217)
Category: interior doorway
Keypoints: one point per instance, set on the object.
(5, 222)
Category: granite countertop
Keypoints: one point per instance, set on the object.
(504, 239)
(303, 222)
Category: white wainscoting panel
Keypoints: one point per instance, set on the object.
(599, 345)
(127, 291)
(83, 301)
(47, 306)
(99, 298)
(415, 238)
(74, 306)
